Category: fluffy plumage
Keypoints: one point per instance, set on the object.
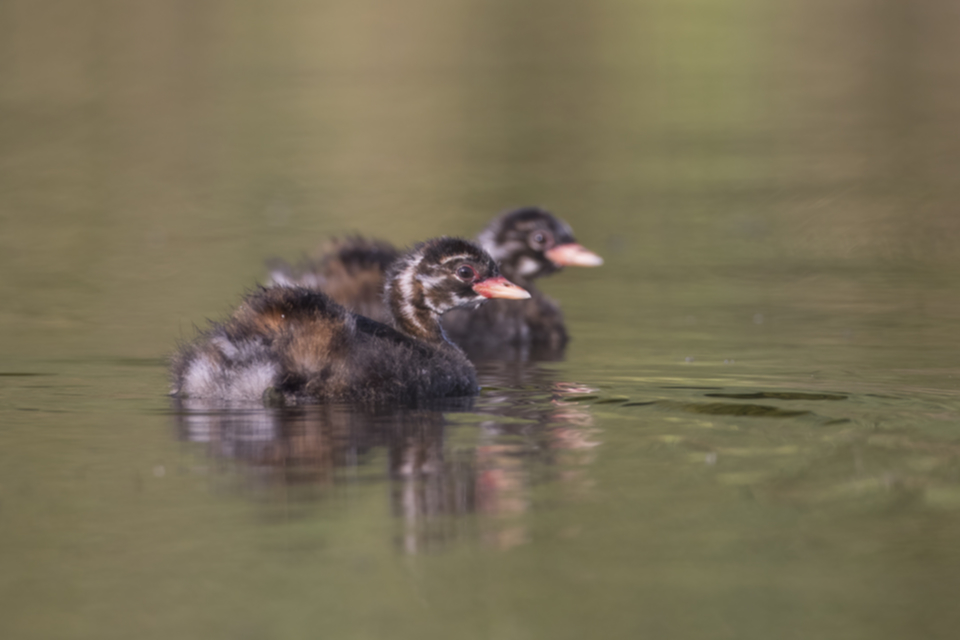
(294, 345)
(350, 270)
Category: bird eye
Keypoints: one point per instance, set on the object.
(466, 273)
(541, 239)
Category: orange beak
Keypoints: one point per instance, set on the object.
(572, 254)
(500, 287)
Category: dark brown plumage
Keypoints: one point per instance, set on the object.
(350, 270)
(528, 243)
(293, 345)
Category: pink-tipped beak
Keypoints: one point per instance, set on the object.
(572, 254)
(500, 287)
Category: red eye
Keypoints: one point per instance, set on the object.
(466, 273)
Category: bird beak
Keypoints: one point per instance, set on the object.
(572, 254)
(500, 287)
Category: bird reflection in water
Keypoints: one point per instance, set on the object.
(519, 434)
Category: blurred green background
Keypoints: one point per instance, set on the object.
(774, 187)
(154, 153)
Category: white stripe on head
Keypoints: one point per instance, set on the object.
(430, 281)
(406, 280)
(459, 256)
(427, 283)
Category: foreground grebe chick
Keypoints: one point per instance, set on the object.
(294, 345)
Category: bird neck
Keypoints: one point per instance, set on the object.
(411, 311)
(422, 324)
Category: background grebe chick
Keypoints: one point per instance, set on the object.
(529, 243)
(301, 346)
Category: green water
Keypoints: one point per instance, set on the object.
(754, 432)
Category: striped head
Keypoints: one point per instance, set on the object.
(532, 242)
(440, 275)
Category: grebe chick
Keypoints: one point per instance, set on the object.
(529, 243)
(294, 345)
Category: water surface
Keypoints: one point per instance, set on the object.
(753, 433)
